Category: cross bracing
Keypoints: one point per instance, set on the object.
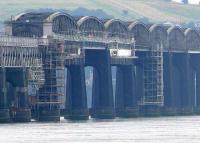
(43, 29)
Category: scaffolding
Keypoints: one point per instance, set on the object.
(49, 94)
(18, 52)
(153, 77)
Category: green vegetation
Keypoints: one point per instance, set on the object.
(155, 10)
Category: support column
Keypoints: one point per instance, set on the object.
(147, 84)
(76, 106)
(198, 92)
(23, 112)
(182, 85)
(169, 99)
(49, 104)
(192, 91)
(195, 81)
(140, 79)
(139, 82)
(102, 99)
(125, 97)
(4, 111)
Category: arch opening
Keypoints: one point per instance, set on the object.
(64, 24)
(141, 35)
(117, 28)
(176, 39)
(91, 27)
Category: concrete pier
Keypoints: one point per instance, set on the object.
(182, 83)
(76, 106)
(152, 60)
(19, 109)
(4, 111)
(195, 81)
(169, 102)
(48, 96)
(125, 97)
(102, 96)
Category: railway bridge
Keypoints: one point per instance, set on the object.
(157, 68)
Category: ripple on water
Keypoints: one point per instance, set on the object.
(142, 130)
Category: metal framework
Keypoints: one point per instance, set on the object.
(22, 53)
(49, 94)
(153, 77)
(68, 38)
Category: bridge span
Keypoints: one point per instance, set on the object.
(157, 68)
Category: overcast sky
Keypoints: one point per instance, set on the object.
(190, 1)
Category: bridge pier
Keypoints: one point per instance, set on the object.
(146, 77)
(4, 111)
(195, 81)
(125, 96)
(23, 112)
(197, 108)
(102, 94)
(48, 106)
(177, 89)
(76, 106)
(169, 102)
(183, 100)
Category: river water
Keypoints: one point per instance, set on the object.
(141, 130)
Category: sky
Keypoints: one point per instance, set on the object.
(190, 1)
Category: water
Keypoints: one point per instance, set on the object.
(140, 130)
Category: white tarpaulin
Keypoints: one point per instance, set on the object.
(121, 52)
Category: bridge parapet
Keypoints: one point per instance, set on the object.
(11, 41)
(101, 37)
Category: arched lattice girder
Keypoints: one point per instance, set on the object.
(192, 40)
(62, 23)
(158, 35)
(19, 15)
(141, 34)
(29, 24)
(176, 39)
(116, 28)
(27, 30)
(32, 17)
(90, 26)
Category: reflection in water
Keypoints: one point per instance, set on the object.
(142, 130)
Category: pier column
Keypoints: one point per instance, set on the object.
(177, 87)
(198, 91)
(139, 75)
(76, 99)
(139, 82)
(4, 111)
(49, 104)
(192, 92)
(102, 96)
(195, 81)
(170, 106)
(23, 112)
(125, 97)
(146, 84)
(182, 85)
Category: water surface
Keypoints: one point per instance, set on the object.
(141, 130)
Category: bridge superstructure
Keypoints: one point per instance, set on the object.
(153, 64)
